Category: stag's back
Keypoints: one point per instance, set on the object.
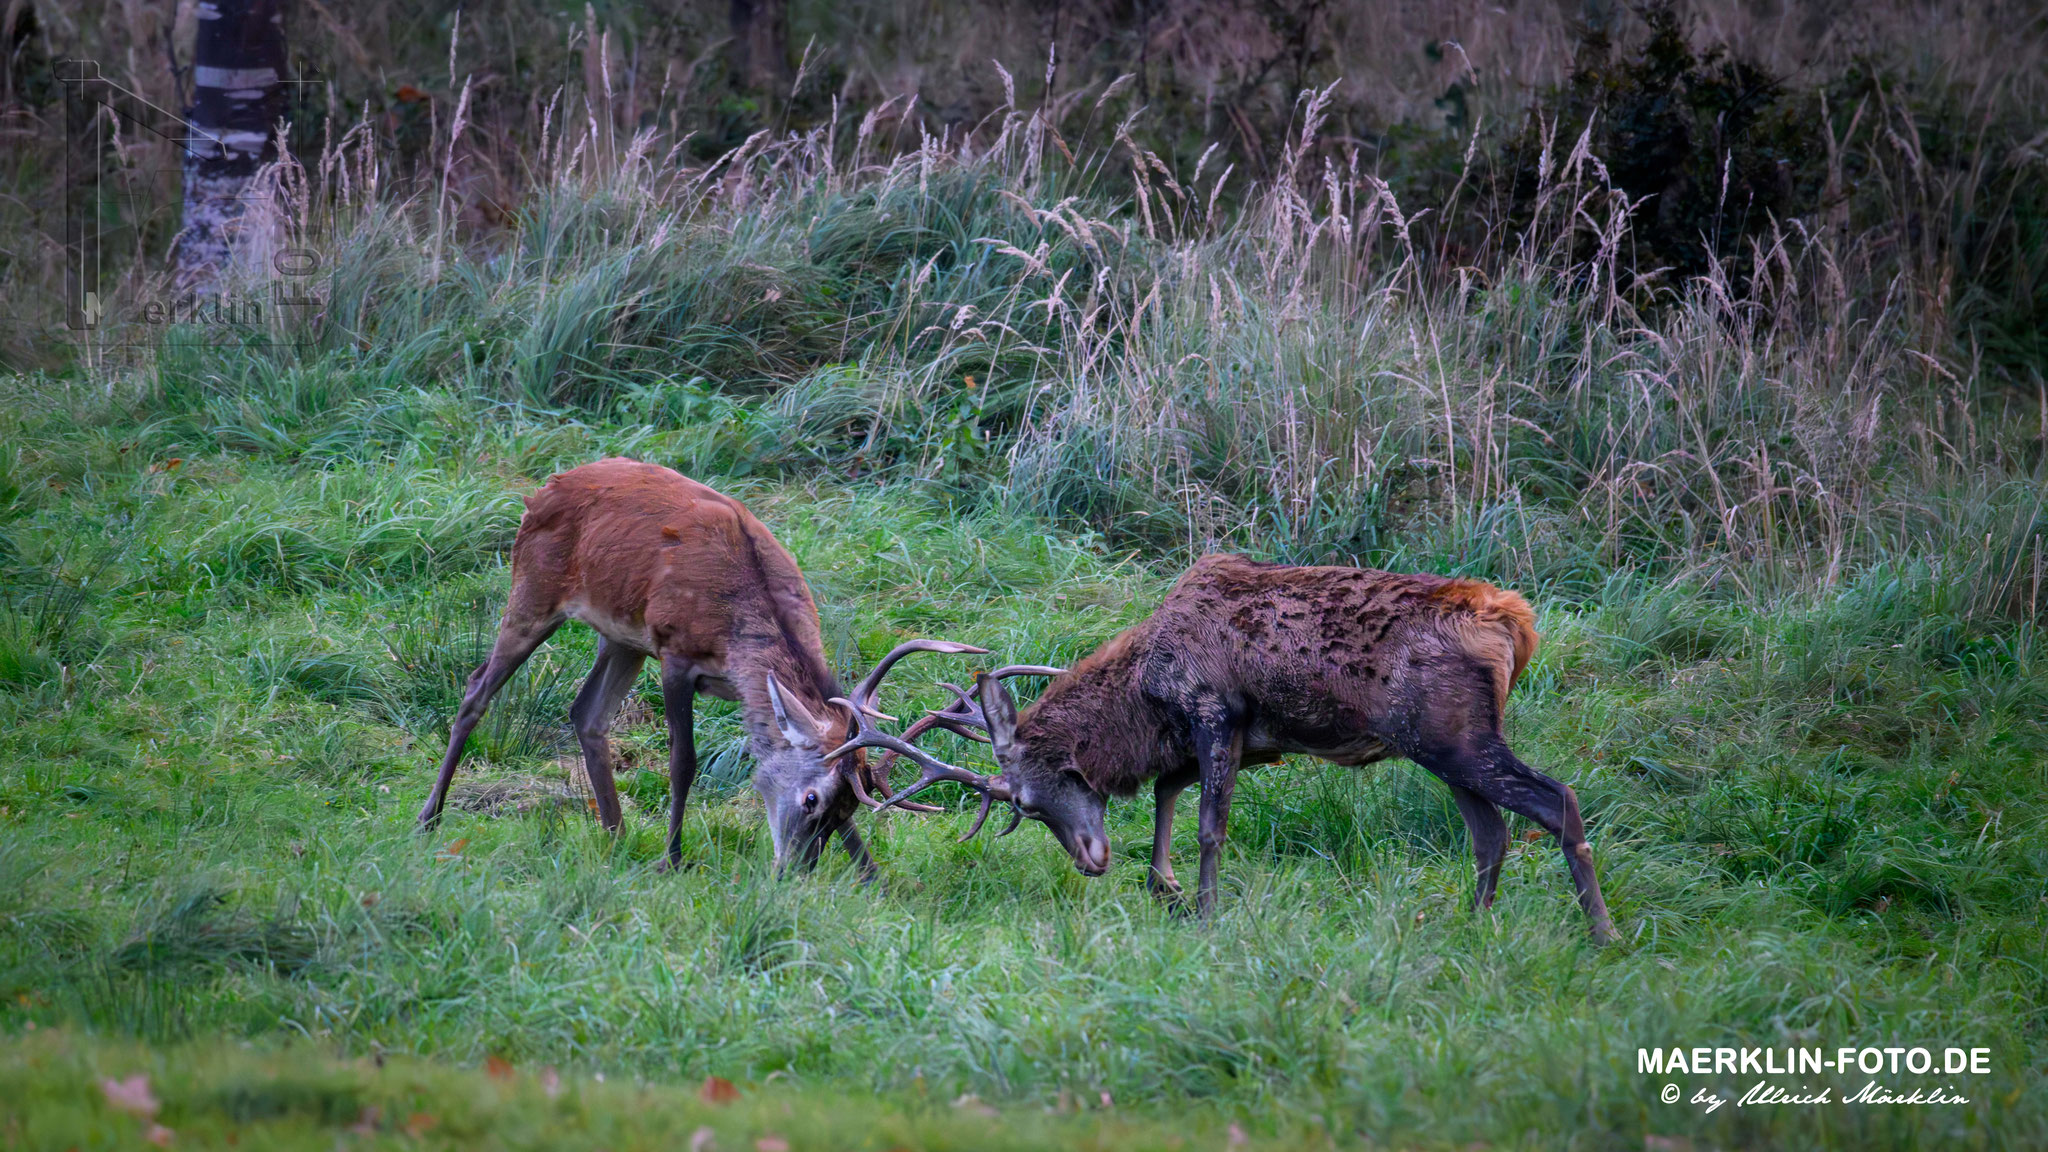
(650, 557)
(1332, 647)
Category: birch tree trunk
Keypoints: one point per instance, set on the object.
(237, 98)
(760, 33)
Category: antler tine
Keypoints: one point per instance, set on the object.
(1010, 670)
(934, 770)
(954, 719)
(881, 771)
(863, 696)
(962, 717)
(980, 817)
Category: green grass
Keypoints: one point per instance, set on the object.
(1790, 584)
(1820, 821)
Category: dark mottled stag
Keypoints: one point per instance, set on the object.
(663, 566)
(1246, 662)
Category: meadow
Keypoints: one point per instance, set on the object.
(1783, 521)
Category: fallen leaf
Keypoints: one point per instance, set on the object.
(771, 1144)
(131, 1095)
(717, 1090)
(159, 1135)
(703, 1140)
(455, 847)
(417, 1124)
(370, 899)
(1533, 835)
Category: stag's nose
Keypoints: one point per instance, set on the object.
(1091, 855)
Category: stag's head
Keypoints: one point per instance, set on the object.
(815, 776)
(1039, 781)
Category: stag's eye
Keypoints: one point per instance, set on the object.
(811, 800)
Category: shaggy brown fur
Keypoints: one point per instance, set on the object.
(1245, 662)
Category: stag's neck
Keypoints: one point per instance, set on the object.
(1100, 713)
(802, 675)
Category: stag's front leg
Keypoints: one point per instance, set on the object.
(1219, 744)
(857, 851)
(1165, 792)
(679, 703)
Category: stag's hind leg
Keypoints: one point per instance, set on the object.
(1489, 841)
(516, 641)
(611, 677)
(1498, 776)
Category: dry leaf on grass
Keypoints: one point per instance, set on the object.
(717, 1090)
(497, 1067)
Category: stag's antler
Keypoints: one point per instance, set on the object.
(862, 703)
(863, 698)
(963, 717)
(934, 770)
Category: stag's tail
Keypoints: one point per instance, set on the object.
(1499, 628)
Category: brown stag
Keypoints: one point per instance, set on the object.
(663, 566)
(1246, 662)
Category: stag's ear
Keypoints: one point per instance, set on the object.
(1001, 712)
(798, 726)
